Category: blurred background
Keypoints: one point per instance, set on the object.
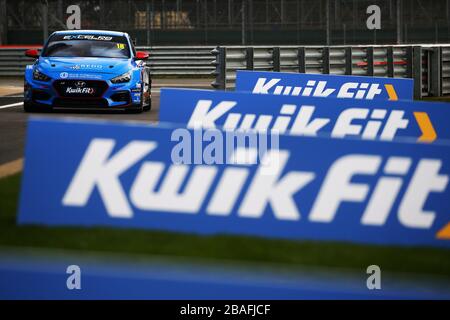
(225, 22)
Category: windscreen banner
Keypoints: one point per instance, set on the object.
(324, 85)
(203, 181)
(340, 118)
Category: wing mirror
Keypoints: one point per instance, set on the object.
(141, 55)
(32, 53)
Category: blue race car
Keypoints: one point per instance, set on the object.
(88, 69)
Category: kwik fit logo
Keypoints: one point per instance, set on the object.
(370, 124)
(399, 186)
(313, 88)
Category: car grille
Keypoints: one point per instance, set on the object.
(40, 95)
(80, 103)
(80, 88)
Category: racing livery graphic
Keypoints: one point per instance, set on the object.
(88, 69)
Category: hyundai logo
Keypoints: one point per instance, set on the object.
(80, 84)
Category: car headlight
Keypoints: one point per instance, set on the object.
(37, 75)
(122, 78)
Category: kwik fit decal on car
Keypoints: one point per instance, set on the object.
(321, 86)
(123, 175)
(384, 120)
(88, 69)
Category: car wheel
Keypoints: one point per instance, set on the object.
(148, 107)
(31, 107)
(28, 107)
(146, 99)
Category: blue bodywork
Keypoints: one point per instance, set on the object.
(90, 70)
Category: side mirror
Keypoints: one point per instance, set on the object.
(32, 53)
(141, 55)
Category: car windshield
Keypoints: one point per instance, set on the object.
(81, 45)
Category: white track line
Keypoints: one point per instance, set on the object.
(11, 105)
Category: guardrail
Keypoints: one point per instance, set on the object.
(180, 61)
(164, 61)
(429, 65)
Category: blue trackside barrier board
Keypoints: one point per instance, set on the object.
(384, 120)
(123, 175)
(324, 85)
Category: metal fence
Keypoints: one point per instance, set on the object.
(164, 61)
(428, 65)
(180, 61)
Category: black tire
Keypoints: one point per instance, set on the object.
(28, 107)
(146, 88)
(148, 107)
(31, 107)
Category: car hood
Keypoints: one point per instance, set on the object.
(107, 66)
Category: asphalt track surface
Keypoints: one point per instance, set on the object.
(13, 120)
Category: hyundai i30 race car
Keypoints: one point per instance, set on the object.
(88, 69)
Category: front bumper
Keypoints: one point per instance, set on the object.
(64, 94)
